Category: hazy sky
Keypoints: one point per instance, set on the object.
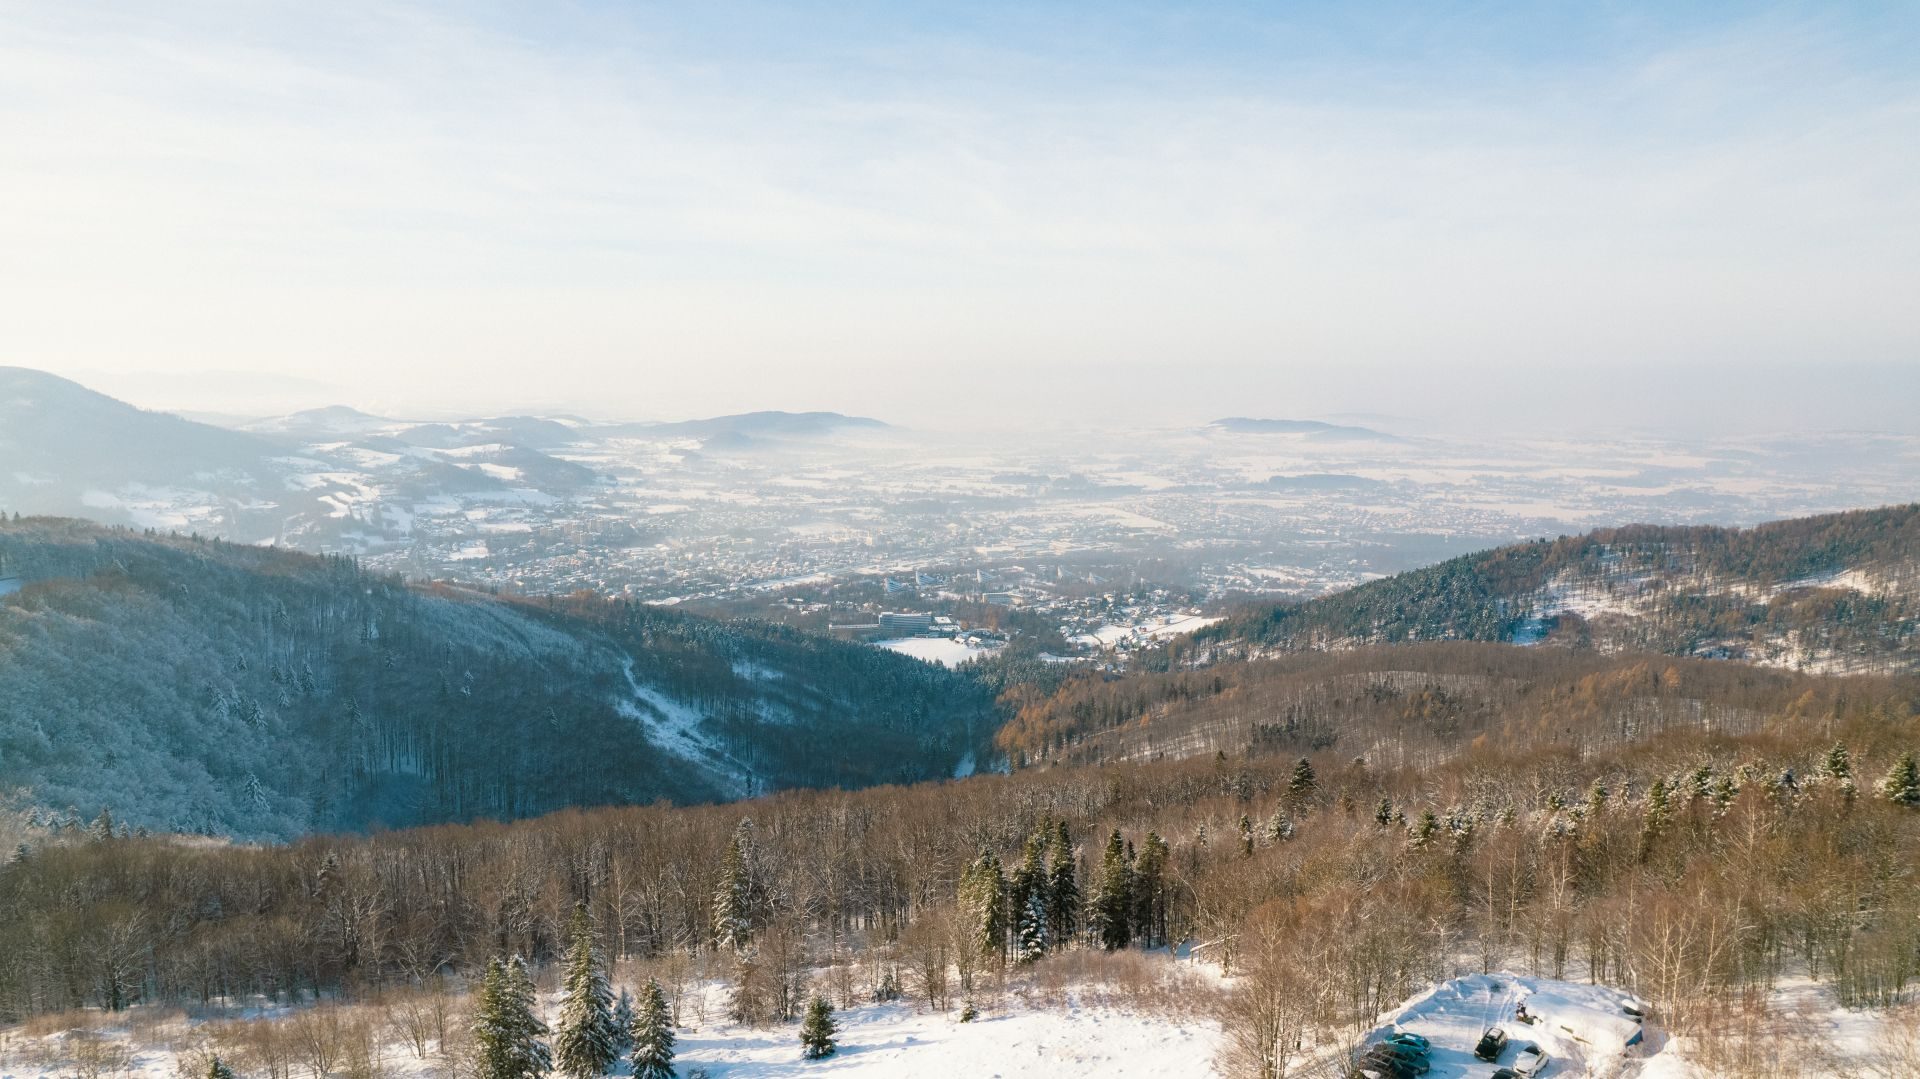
(1012, 211)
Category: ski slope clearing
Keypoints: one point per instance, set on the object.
(675, 726)
(1584, 1029)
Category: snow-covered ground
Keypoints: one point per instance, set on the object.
(675, 726)
(1584, 1029)
(942, 650)
(1085, 1030)
(899, 1040)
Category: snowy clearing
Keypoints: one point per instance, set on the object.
(1584, 1029)
(945, 651)
(898, 1040)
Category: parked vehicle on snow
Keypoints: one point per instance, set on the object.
(1532, 1058)
(1407, 1055)
(1492, 1043)
(1378, 1063)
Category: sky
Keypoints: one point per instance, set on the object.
(1686, 216)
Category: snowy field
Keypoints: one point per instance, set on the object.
(897, 1040)
(1077, 1031)
(1584, 1029)
(942, 650)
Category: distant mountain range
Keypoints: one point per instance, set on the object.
(750, 425)
(1839, 592)
(1312, 429)
(199, 686)
(328, 478)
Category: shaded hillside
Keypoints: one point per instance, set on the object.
(198, 686)
(1838, 592)
(65, 449)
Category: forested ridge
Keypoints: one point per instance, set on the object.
(189, 685)
(1840, 591)
(1690, 861)
(1411, 703)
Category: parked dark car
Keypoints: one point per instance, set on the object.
(1410, 1040)
(1492, 1044)
(1405, 1054)
(1376, 1063)
(1505, 1073)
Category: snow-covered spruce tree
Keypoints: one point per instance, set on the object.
(1148, 916)
(1033, 927)
(653, 1036)
(983, 898)
(586, 1045)
(1425, 827)
(730, 926)
(817, 1032)
(493, 1054)
(217, 1069)
(1112, 902)
(506, 1028)
(1597, 796)
(1030, 877)
(1836, 768)
(1902, 784)
(1063, 891)
(1659, 813)
(1303, 784)
(1837, 763)
(623, 1022)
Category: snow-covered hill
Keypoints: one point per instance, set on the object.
(1835, 593)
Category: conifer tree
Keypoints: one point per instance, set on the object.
(1303, 783)
(1838, 763)
(1113, 899)
(493, 1053)
(1702, 780)
(524, 1007)
(1031, 875)
(217, 1069)
(1837, 768)
(623, 1022)
(1383, 813)
(818, 1029)
(1149, 891)
(586, 1044)
(730, 928)
(653, 1036)
(1656, 817)
(1063, 891)
(1902, 784)
(1279, 827)
(1597, 796)
(506, 1029)
(1246, 835)
(1424, 829)
(1032, 927)
(983, 897)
